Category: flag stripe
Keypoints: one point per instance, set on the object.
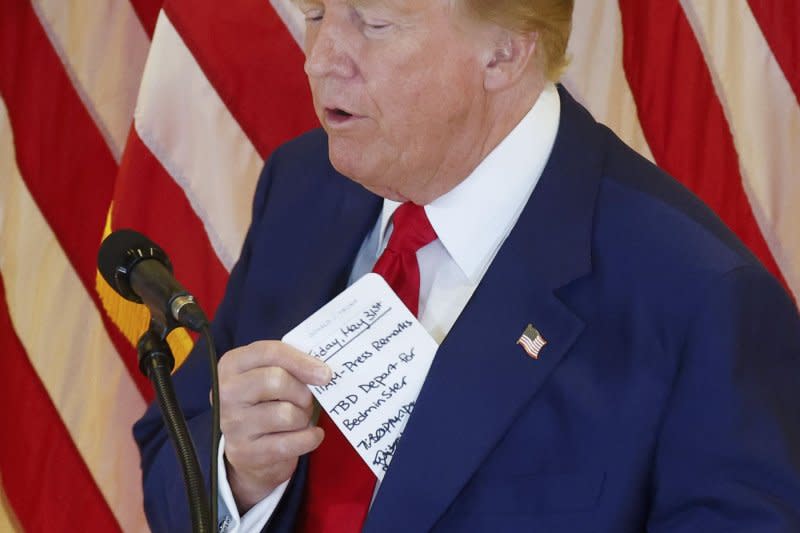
(8, 521)
(64, 160)
(292, 18)
(596, 71)
(779, 22)
(163, 212)
(147, 11)
(700, 154)
(218, 178)
(67, 345)
(88, 36)
(531, 346)
(45, 480)
(745, 72)
(260, 79)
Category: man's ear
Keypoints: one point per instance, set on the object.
(510, 57)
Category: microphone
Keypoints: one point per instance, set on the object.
(139, 271)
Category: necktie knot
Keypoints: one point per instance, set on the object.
(398, 263)
(412, 229)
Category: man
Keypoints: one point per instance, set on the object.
(665, 398)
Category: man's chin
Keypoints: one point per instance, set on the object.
(386, 192)
(346, 155)
(349, 159)
(381, 190)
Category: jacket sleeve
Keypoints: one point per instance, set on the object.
(728, 457)
(164, 495)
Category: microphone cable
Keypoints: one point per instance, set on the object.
(215, 429)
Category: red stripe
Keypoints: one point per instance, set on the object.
(66, 164)
(779, 23)
(161, 211)
(147, 11)
(250, 58)
(681, 115)
(46, 481)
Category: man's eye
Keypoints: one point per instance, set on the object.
(313, 16)
(377, 26)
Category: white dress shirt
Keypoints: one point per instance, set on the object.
(471, 222)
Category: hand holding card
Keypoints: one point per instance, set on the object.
(379, 355)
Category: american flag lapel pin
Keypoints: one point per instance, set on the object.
(532, 341)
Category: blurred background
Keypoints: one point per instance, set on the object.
(158, 116)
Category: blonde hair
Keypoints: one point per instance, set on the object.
(550, 19)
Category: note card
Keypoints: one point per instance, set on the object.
(379, 354)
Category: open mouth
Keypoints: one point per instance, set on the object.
(337, 115)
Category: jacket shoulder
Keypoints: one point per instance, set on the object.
(644, 214)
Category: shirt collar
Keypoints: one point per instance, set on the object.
(473, 219)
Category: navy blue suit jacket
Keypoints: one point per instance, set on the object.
(666, 399)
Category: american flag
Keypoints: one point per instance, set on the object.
(158, 116)
(532, 341)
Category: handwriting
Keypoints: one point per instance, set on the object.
(384, 457)
(383, 342)
(370, 317)
(379, 355)
(350, 332)
(379, 380)
(344, 404)
(373, 310)
(362, 358)
(319, 389)
(323, 350)
(386, 427)
(407, 357)
(361, 417)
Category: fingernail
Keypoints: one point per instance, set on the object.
(323, 373)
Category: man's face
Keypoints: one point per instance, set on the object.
(398, 87)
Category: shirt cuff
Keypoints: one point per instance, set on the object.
(253, 520)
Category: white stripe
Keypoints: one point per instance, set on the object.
(596, 76)
(103, 48)
(528, 344)
(184, 123)
(764, 118)
(67, 343)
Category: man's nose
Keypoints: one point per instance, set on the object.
(327, 51)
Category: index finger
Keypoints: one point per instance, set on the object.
(302, 366)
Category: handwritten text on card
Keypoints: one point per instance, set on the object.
(379, 355)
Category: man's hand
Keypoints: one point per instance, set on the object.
(265, 411)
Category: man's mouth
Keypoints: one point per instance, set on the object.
(337, 115)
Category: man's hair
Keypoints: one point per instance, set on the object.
(550, 19)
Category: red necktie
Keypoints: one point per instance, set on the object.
(340, 485)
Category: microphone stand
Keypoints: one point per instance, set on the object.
(156, 362)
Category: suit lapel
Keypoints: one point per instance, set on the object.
(316, 255)
(480, 379)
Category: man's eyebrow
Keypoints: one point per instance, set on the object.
(300, 4)
(354, 3)
(397, 6)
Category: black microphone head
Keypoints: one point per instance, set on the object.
(120, 252)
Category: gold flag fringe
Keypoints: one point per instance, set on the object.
(132, 319)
